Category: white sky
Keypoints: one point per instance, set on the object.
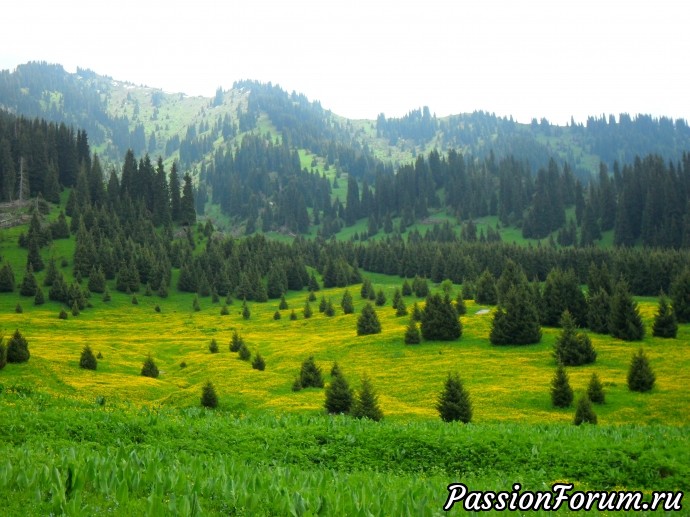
(524, 58)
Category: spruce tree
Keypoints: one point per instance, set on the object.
(149, 368)
(6, 278)
(380, 298)
(96, 280)
(599, 311)
(276, 315)
(87, 360)
(213, 346)
(307, 310)
(516, 321)
(258, 363)
(573, 348)
(680, 296)
(366, 403)
(595, 390)
(562, 292)
(454, 401)
(209, 398)
(293, 315)
(412, 336)
(236, 341)
(366, 289)
(18, 348)
(29, 285)
(246, 313)
(329, 310)
(368, 321)
(401, 309)
(406, 288)
(416, 312)
(283, 303)
(338, 396)
(323, 304)
(39, 297)
(626, 322)
(561, 392)
(640, 375)
(440, 320)
(3, 353)
(467, 290)
(584, 414)
(485, 290)
(665, 322)
(420, 286)
(310, 374)
(347, 303)
(243, 353)
(460, 306)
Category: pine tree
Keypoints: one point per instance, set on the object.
(401, 309)
(3, 353)
(680, 296)
(310, 374)
(329, 310)
(213, 346)
(18, 348)
(276, 315)
(323, 304)
(460, 306)
(243, 353)
(440, 320)
(595, 390)
(246, 313)
(149, 368)
(96, 280)
(347, 303)
(283, 303)
(293, 315)
(665, 322)
(420, 286)
(573, 348)
(366, 403)
(516, 321)
(562, 292)
(416, 312)
(338, 396)
(366, 289)
(88, 360)
(640, 375)
(412, 336)
(6, 279)
(454, 401)
(626, 322)
(368, 321)
(187, 211)
(584, 412)
(258, 363)
(380, 298)
(406, 288)
(209, 398)
(561, 392)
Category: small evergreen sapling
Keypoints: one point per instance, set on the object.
(368, 321)
(310, 374)
(258, 363)
(561, 392)
(640, 375)
(338, 396)
(454, 401)
(366, 404)
(149, 368)
(412, 336)
(18, 348)
(665, 321)
(573, 348)
(595, 390)
(213, 346)
(209, 398)
(584, 413)
(87, 360)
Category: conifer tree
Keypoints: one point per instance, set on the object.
(323, 304)
(87, 360)
(213, 346)
(516, 321)
(243, 353)
(96, 280)
(209, 398)
(562, 292)
(366, 403)
(561, 392)
(368, 321)
(401, 309)
(6, 278)
(595, 390)
(440, 320)
(599, 312)
(18, 348)
(310, 374)
(187, 211)
(18, 308)
(460, 306)
(338, 396)
(454, 401)
(406, 288)
(283, 303)
(293, 315)
(307, 311)
(626, 322)
(420, 287)
(680, 296)
(397, 298)
(467, 290)
(258, 363)
(412, 335)
(485, 290)
(347, 303)
(3, 353)
(276, 315)
(584, 413)
(29, 285)
(573, 348)
(329, 310)
(39, 297)
(236, 341)
(416, 312)
(149, 368)
(380, 298)
(246, 313)
(665, 322)
(640, 375)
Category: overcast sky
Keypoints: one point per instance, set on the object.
(524, 58)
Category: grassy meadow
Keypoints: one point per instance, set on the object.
(80, 442)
